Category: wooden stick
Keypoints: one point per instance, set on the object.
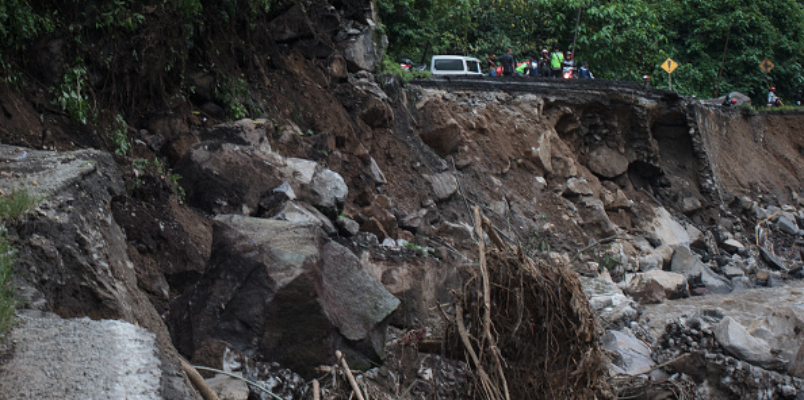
(349, 376)
(198, 381)
(316, 390)
(484, 272)
(495, 238)
(485, 381)
(327, 369)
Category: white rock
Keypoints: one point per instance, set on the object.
(376, 172)
(301, 170)
(228, 388)
(668, 230)
(444, 185)
(579, 187)
(632, 355)
(673, 284)
(732, 246)
(540, 183)
(328, 189)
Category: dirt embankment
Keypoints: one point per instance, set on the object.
(754, 153)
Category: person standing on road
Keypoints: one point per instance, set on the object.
(534, 66)
(544, 64)
(568, 66)
(584, 72)
(491, 63)
(508, 63)
(555, 62)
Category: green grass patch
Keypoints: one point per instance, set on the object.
(12, 207)
(16, 204)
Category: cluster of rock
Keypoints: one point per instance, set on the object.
(728, 347)
(663, 257)
(273, 258)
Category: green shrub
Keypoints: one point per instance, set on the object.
(8, 299)
(174, 182)
(73, 93)
(118, 134)
(233, 93)
(17, 203)
(391, 67)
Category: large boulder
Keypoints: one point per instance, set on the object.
(292, 25)
(224, 178)
(732, 246)
(606, 162)
(787, 225)
(670, 286)
(327, 190)
(685, 263)
(364, 51)
(783, 330)
(665, 229)
(595, 221)
(443, 137)
(244, 132)
(302, 213)
(541, 154)
(228, 388)
(631, 355)
(608, 301)
(741, 344)
(444, 184)
(377, 113)
(286, 291)
(234, 170)
(379, 219)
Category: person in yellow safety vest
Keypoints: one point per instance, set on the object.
(555, 62)
(521, 69)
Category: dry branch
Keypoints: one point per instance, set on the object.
(355, 388)
(527, 329)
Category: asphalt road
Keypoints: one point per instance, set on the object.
(54, 358)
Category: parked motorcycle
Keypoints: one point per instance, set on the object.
(407, 65)
(568, 69)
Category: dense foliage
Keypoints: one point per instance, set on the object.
(621, 39)
(127, 53)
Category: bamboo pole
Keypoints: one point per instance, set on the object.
(316, 390)
(355, 388)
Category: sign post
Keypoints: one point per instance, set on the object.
(669, 65)
(766, 65)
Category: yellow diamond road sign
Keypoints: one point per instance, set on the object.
(766, 65)
(669, 65)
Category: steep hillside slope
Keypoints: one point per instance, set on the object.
(341, 217)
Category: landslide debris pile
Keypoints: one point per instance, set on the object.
(341, 220)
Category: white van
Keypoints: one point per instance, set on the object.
(455, 65)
